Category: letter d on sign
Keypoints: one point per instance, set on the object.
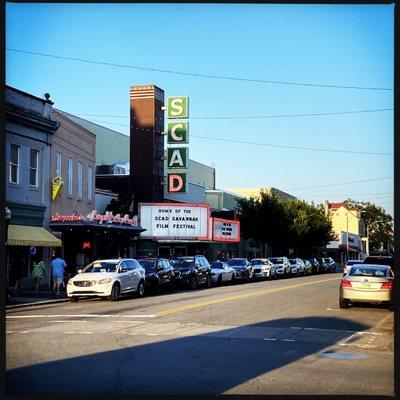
(176, 183)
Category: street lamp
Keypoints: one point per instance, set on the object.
(8, 218)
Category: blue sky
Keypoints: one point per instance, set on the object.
(350, 45)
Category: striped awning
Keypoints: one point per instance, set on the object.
(21, 235)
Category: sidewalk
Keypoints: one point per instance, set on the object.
(30, 298)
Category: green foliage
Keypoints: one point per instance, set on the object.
(121, 205)
(378, 222)
(284, 224)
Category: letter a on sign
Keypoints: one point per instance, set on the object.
(178, 107)
(177, 183)
(177, 157)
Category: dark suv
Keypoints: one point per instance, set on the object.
(192, 271)
(243, 269)
(159, 273)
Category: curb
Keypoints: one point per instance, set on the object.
(37, 303)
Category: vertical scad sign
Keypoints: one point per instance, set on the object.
(177, 134)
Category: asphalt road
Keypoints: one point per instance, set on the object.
(272, 337)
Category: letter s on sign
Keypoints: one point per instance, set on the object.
(177, 108)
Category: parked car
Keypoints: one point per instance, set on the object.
(282, 265)
(315, 265)
(263, 268)
(192, 271)
(296, 266)
(243, 269)
(369, 283)
(307, 267)
(323, 265)
(222, 272)
(159, 273)
(330, 262)
(108, 278)
(348, 264)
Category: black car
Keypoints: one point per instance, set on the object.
(323, 265)
(244, 270)
(159, 273)
(315, 265)
(192, 271)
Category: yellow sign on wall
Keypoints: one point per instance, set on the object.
(56, 185)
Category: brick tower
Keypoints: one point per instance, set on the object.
(146, 144)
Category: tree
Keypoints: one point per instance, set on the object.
(284, 224)
(377, 221)
(121, 205)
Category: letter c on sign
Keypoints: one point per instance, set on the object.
(173, 132)
(175, 183)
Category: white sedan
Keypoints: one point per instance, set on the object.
(263, 268)
(222, 272)
(108, 278)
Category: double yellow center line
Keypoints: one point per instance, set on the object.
(237, 297)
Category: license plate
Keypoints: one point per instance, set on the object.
(366, 285)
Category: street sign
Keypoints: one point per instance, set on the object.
(176, 182)
(178, 132)
(177, 157)
(178, 107)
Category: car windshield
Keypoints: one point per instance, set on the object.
(217, 265)
(359, 270)
(259, 262)
(292, 261)
(101, 266)
(379, 260)
(236, 262)
(148, 265)
(183, 263)
(276, 260)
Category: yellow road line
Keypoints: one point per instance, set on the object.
(237, 297)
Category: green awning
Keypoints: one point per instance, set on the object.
(21, 235)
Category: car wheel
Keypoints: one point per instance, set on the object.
(233, 278)
(141, 289)
(193, 283)
(343, 303)
(115, 292)
(219, 280)
(74, 299)
(208, 281)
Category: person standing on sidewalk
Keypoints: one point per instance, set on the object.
(58, 266)
(38, 272)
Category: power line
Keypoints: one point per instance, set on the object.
(267, 144)
(199, 75)
(384, 194)
(247, 116)
(293, 147)
(340, 184)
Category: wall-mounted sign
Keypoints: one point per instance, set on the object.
(177, 107)
(175, 220)
(176, 182)
(177, 157)
(225, 230)
(94, 216)
(56, 185)
(178, 132)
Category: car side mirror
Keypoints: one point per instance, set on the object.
(79, 271)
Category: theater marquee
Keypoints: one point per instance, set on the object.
(175, 221)
(225, 230)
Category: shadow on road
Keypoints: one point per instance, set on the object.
(207, 363)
